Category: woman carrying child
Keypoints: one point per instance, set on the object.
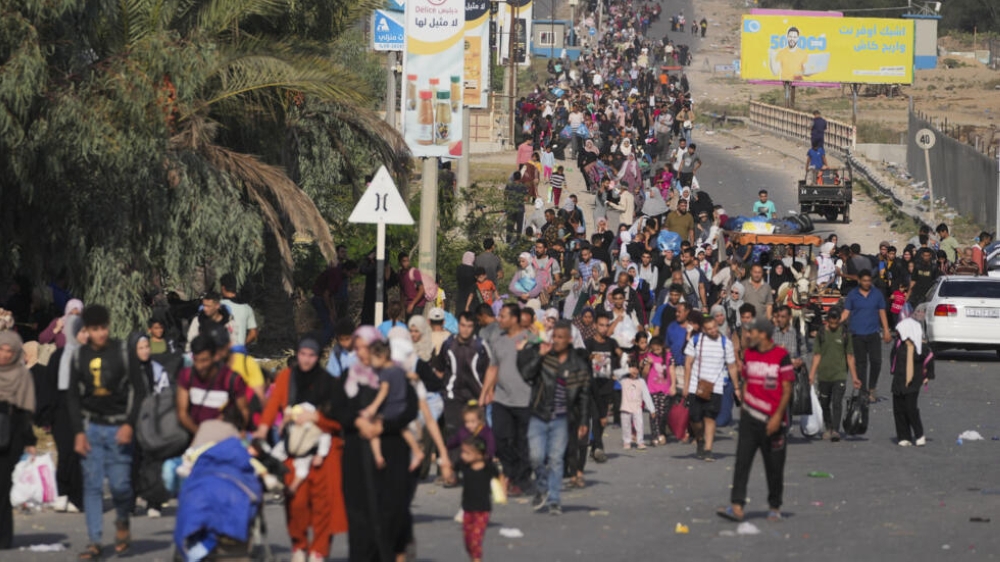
(317, 502)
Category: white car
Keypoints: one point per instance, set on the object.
(964, 312)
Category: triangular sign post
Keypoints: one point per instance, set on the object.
(381, 203)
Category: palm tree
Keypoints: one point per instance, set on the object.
(145, 138)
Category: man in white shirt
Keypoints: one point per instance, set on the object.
(708, 357)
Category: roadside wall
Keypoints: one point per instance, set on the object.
(964, 177)
(883, 152)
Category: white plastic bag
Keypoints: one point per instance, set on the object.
(812, 425)
(34, 480)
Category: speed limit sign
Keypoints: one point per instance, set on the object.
(926, 139)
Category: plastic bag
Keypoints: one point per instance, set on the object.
(812, 425)
(856, 417)
(725, 416)
(34, 481)
(499, 491)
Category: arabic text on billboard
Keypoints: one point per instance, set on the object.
(432, 73)
(816, 49)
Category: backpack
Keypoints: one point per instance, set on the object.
(157, 428)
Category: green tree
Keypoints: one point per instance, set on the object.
(145, 142)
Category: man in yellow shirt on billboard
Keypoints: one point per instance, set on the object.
(789, 62)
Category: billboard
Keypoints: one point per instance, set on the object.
(792, 48)
(388, 31)
(522, 48)
(433, 64)
(477, 53)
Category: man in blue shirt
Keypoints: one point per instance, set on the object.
(676, 339)
(864, 310)
(816, 158)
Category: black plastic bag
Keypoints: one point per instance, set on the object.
(801, 401)
(856, 416)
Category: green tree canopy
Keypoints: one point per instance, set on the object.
(142, 141)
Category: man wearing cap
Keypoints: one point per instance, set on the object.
(764, 420)
(436, 319)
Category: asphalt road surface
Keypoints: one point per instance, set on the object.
(883, 502)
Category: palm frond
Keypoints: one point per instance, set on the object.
(381, 136)
(276, 195)
(245, 77)
(216, 17)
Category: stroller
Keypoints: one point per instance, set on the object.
(220, 508)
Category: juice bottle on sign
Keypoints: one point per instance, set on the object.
(442, 118)
(411, 92)
(425, 119)
(456, 93)
(435, 86)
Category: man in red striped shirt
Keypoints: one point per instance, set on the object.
(768, 372)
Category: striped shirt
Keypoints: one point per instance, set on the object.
(557, 180)
(710, 358)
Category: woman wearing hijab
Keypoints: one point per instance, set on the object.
(17, 403)
(779, 276)
(625, 207)
(587, 162)
(377, 501)
(420, 333)
(465, 277)
(69, 471)
(56, 330)
(912, 363)
(426, 384)
(45, 393)
(732, 303)
(423, 345)
(524, 285)
(146, 470)
(318, 502)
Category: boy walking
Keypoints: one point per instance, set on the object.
(103, 403)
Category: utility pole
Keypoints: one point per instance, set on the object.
(512, 65)
(463, 163)
(390, 88)
(428, 217)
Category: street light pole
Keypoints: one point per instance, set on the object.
(512, 64)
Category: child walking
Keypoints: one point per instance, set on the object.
(655, 366)
(477, 475)
(635, 395)
(557, 181)
(548, 163)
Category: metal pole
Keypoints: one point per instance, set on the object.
(379, 272)
(512, 63)
(463, 163)
(390, 88)
(930, 184)
(854, 105)
(428, 217)
(552, 28)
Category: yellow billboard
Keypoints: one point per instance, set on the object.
(794, 48)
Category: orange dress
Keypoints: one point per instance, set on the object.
(319, 501)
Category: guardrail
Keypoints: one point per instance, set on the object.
(796, 125)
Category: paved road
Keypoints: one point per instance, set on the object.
(883, 502)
